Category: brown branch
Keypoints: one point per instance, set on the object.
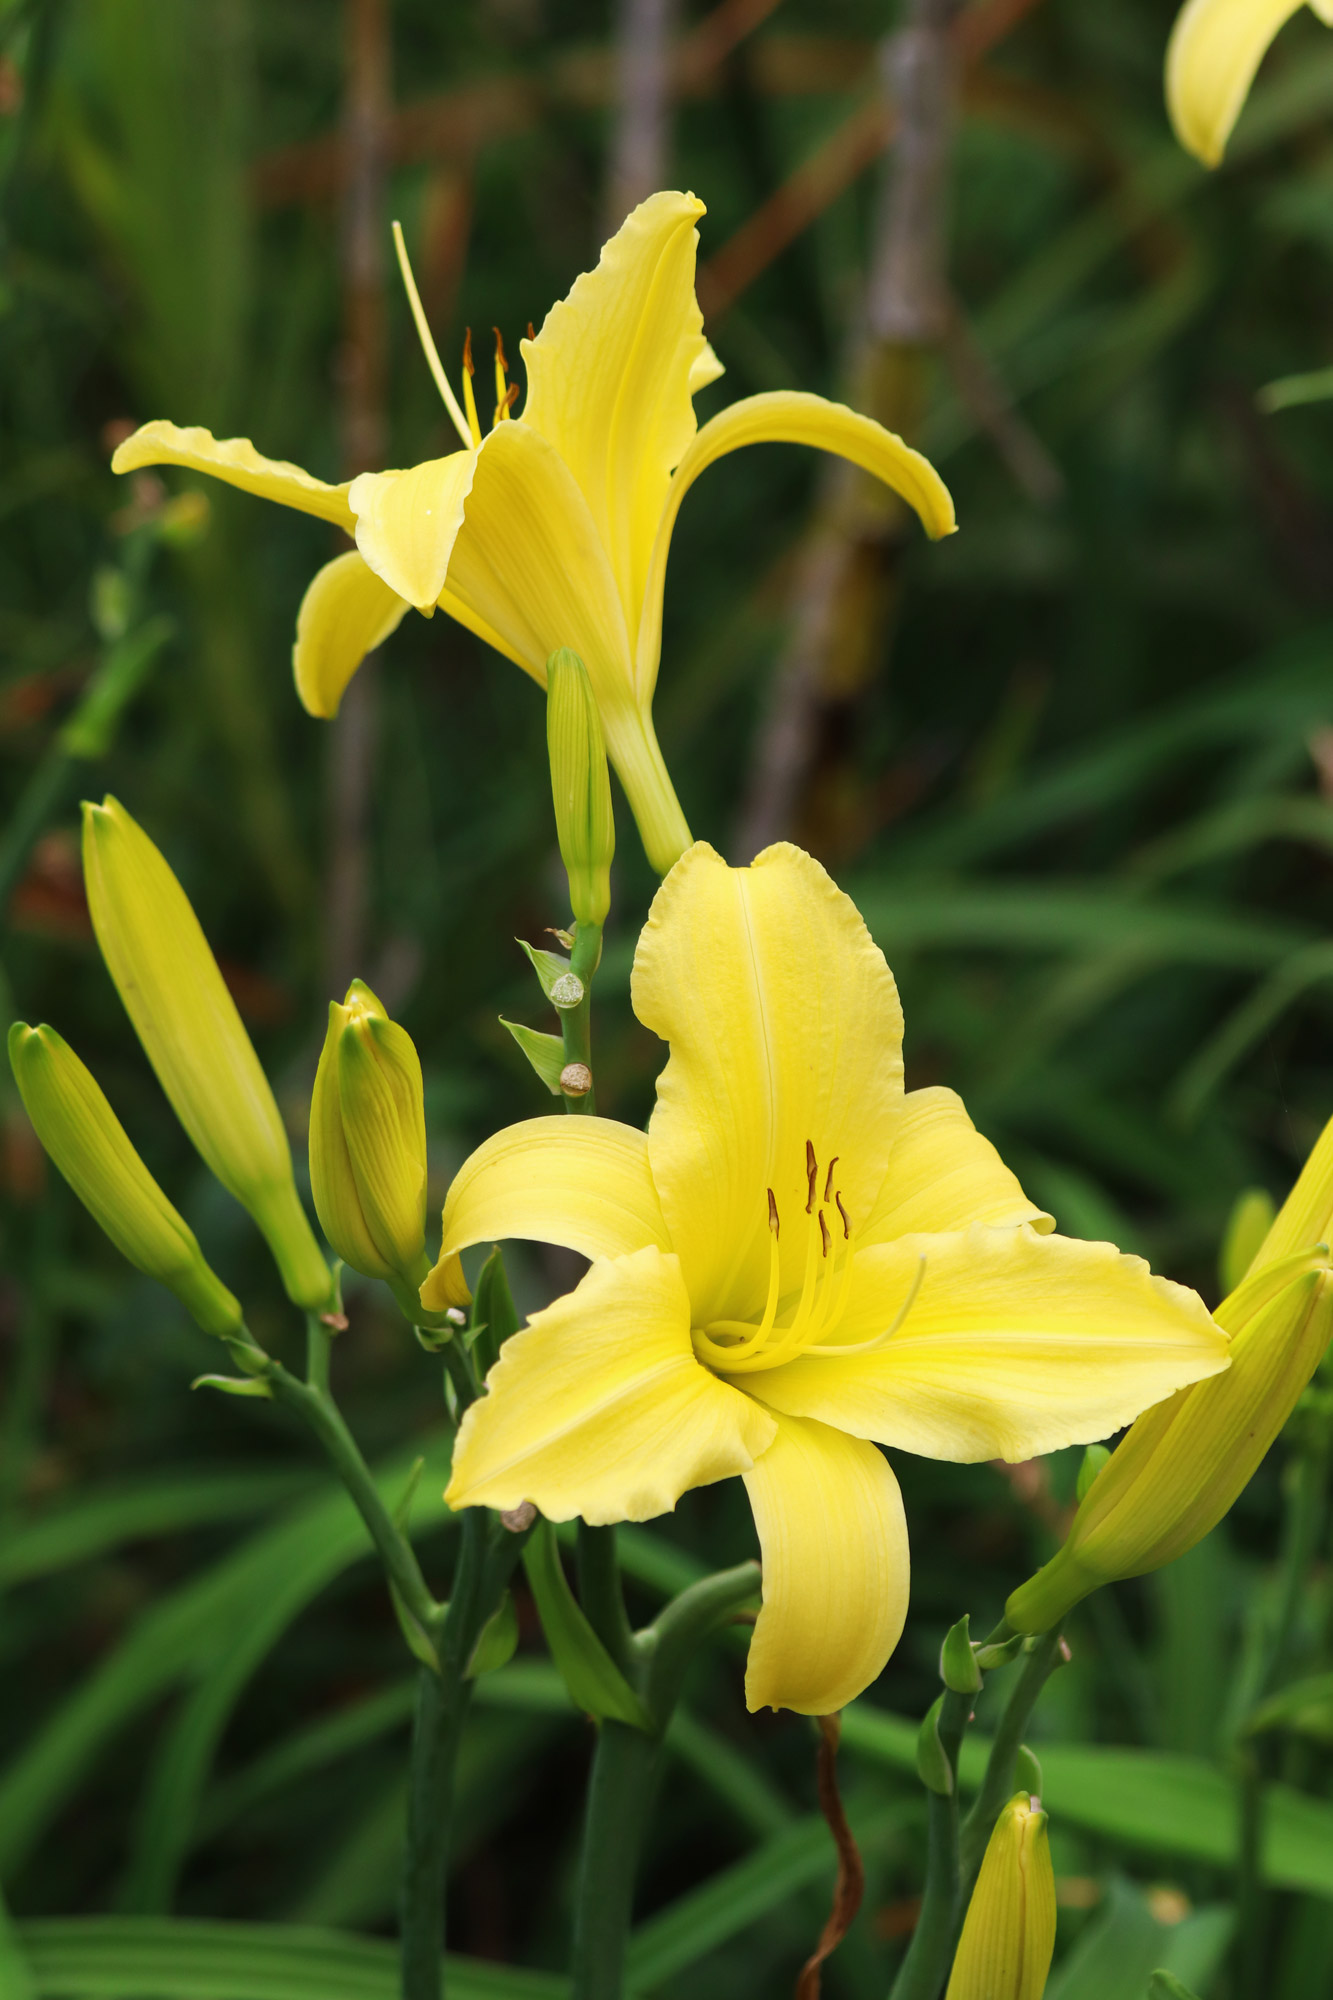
(851, 1883)
(641, 140)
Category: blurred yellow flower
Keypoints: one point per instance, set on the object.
(1215, 49)
(796, 1264)
(553, 530)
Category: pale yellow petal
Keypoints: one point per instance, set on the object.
(346, 612)
(236, 461)
(943, 1175)
(1215, 49)
(407, 523)
(784, 1027)
(599, 1407)
(611, 376)
(834, 1546)
(1015, 1344)
(582, 1182)
(785, 416)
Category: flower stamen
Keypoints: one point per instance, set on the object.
(428, 346)
(469, 399)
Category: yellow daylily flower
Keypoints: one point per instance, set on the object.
(553, 529)
(796, 1264)
(1215, 49)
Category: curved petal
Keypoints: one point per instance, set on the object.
(836, 1568)
(236, 461)
(599, 1407)
(943, 1175)
(611, 376)
(785, 1028)
(785, 416)
(1015, 1344)
(1215, 49)
(407, 523)
(346, 612)
(582, 1182)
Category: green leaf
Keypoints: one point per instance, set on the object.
(177, 1958)
(594, 1680)
(549, 968)
(1305, 1707)
(1288, 390)
(1163, 1985)
(1118, 1951)
(235, 1385)
(497, 1640)
(16, 1980)
(546, 1053)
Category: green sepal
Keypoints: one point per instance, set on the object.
(549, 967)
(958, 1661)
(419, 1642)
(494, 1314)
(497, 1641)
(235, 1385)
(546, 1053)
(1163, 1985)
(1027, 1773)
(1094, 1458)
(990, 1656)
(932, 1761)
(595, 1682)
(402, 1513)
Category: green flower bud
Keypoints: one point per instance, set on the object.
(1184, 1462)
(368, 1143)
(193, 1036)
(580, 786)
(1008, 1935)
(90, 1146)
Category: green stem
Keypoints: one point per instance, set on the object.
(576, 1022)
(1251, 1900)
(998, 1784)
(601, 1594)
(922, 1972)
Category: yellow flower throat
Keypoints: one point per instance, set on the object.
(794, 1327)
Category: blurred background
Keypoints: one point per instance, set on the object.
(1075, 765)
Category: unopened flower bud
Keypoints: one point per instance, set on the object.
(1008, 1935)
(90, 1146)
(1184, 1462)
(579, 786)
(192, 1034)
(368, 1142)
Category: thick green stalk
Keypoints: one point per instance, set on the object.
(998, 1784)
(601, 1594)
(921, 1974)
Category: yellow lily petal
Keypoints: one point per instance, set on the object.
(582, 1182)
(599, 1407)
(943, 1175)
(236, 461)
(611, 376)
(346, 612)
(407, 523)
(785, 1028)
(706, 368)
(836, 1566)
(1215, 49)
(785, 416)
(1015, 1344)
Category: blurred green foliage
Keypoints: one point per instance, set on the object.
(1087, 808)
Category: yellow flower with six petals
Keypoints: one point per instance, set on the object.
(797, 1263)
(553, 530)
(1215, 49)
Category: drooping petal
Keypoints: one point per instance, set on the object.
(599, 1407)
(407, 523)
(611, 376)
(1215, 49)
(581, 1182)
(346, 612)
(943, 1175)
(1015, 1344)
(236, 461)
(834, 1545)
(784, 1027)
(785, 416)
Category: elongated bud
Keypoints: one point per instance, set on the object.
(88, 1143)
(1182, 1464)
(368, 1142)
(1248, 1224)
(192, 1035)
(1009, 1931)
(579, 786)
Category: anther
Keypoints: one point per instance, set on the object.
(812, 1176)
(500, 361)
(467, 350)
(773, 1222)
(823, 1231)
(828, 1178)
(846, 1225)
(531, 334)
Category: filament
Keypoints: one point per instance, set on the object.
(433, 361)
